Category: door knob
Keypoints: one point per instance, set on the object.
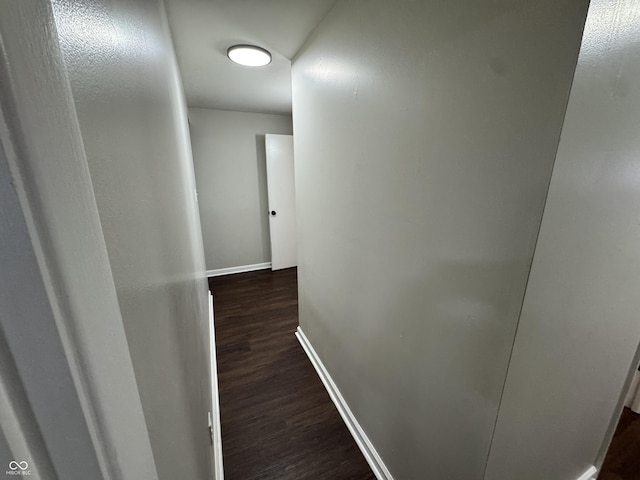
(273, 213)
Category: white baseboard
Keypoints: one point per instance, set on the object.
(239, 269)
(214, 416)
(589, 474)
(370, 454)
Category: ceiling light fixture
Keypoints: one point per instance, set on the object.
(249, 55)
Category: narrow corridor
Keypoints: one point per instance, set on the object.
(278, 421)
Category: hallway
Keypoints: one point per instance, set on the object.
(460, 192)
(278, 421)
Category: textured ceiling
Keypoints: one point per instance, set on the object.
(202, 31)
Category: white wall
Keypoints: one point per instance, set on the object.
(70, 404)
(425, 135)
(580, 327)
(41, 417)
(132, 116)
(230, 166)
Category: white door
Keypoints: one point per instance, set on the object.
(282, 206)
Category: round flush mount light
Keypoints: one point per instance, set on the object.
(249, 55)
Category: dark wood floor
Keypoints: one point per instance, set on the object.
(623, 458)
(278, 421)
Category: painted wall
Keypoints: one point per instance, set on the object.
(41, 418)
(132, 117)
(425, 135)
(579, 330)
(70, 402)
(230, 166)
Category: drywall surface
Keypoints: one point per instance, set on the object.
(5, 451)
(425, 135)
(230, 166)
(132, 116)
(579, 329)
(61, 322)
(41, 419)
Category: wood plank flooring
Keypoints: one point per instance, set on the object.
(278, 421)
(623, 457)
